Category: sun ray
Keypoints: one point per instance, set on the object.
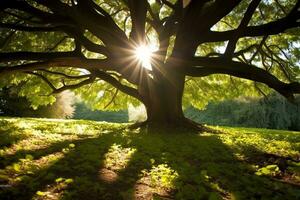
(144, 53)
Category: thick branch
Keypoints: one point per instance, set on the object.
(45, 16)
(89, 45)
(24, 55)
(117, 84)
(138, 11)
(206, 12)
(74, 86)
(247, 17)
(271, 28)
(208, 66)
(65, 62)
(93, 18)
(31, 28)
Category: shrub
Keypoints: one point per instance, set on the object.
(274, 112)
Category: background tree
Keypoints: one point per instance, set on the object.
(11, 104)
(83, 111)
(275, 112)
(102, 48)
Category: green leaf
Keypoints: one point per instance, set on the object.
(29, 157)
(58, 180)
(69, 180)
(17, 167)
(40, 193)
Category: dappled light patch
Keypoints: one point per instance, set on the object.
(157, 182)
(108, 161)
(115, 160)
(27, 167)
(37, 141)
(109, 176)
(143, 191)
(162, 176)
(54, 191)
(285, 143)
(118, 157)
(20, 123)
(10, 134)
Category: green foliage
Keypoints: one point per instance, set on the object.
(118, 157)
(162, 176)
(198, 91)
(274, 112)
(82, 111)
(11, 104)
(269, 170)
(100, 96)
(108, 161)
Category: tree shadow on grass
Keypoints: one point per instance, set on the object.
(7, 134)
(36, 154)
(205, 167)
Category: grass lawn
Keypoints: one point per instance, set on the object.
(77, 159)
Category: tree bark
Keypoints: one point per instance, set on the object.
(162, 96)
(164, 103)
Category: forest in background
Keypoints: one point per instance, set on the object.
(272, 111)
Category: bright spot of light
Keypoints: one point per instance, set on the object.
(144, 53)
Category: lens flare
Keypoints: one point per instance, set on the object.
(144, 53)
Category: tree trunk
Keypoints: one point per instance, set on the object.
(163, 99)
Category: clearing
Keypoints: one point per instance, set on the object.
(78, 159)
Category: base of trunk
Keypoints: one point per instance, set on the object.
(183, 124)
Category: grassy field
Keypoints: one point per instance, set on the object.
(77, 159)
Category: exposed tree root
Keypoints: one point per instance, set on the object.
(138, 125)
(199, 127)
(183, 124)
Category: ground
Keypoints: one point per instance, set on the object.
(77, 159)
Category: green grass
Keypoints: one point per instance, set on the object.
(77, 159)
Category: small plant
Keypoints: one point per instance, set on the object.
(269, 170)
(118, 157)
(163, 176)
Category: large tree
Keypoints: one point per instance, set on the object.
(58, 45)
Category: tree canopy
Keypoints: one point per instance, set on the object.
(211, 48)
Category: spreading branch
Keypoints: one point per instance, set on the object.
(74, 62)
(247, 17)
(206, 66)
(65, 75)
(271, 28)
(117, 84)
(31, 28)
(55, 90)
(32, 56)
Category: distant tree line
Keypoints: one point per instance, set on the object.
(11, 104)
(65, 106)
(82, 111)
(271, 112)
